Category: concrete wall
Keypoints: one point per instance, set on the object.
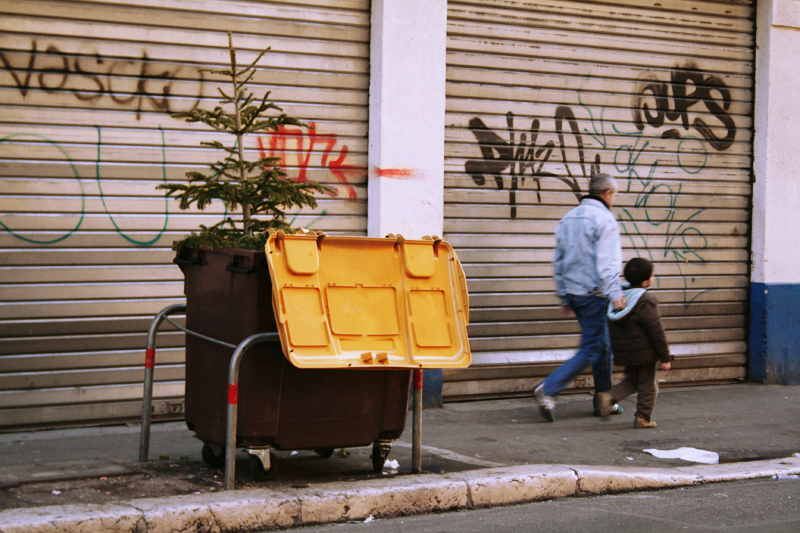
(775, 287)
(406, 128)
(406, 110)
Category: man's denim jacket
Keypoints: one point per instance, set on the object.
(588, 257)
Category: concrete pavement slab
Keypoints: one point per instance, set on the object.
(12, 475)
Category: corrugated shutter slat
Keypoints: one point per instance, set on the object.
(86, 93)
(542, 94)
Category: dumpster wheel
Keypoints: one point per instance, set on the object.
(256, 465)
(213, 455)
(380, 451)
(325, 453)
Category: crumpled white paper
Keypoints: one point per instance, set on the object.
(687, 454)
(391, 463)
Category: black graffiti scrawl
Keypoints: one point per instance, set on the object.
(674, 100)
(689, 100)
(141, 85)
(526, 157)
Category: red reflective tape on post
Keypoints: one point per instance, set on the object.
(233, 394)
(150, 358)
(418, 379)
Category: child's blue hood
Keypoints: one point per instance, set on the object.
(632, 295)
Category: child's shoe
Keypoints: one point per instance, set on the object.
(641, 423)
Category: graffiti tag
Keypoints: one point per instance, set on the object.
(676, 100)
(673, 102)
(295, 148)
(140, 85)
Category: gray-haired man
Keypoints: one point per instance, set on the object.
(587, 266)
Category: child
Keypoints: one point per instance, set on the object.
(638, 343)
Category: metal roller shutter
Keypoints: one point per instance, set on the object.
(542, 94)
(86, 92)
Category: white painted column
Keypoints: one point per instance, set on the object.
(406, 117)
(775, 277)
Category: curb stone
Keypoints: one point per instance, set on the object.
(244, 510)
(383, 498)
(744, 470)
(517, 484)
(593, 480)
(69, 518)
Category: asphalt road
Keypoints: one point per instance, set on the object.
(757, 505)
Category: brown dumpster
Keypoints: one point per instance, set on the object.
(354, 316)
(229, 298)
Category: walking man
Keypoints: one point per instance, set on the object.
(586, 267)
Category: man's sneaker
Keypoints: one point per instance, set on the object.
(604, 404)
(547, 404)
(616, 409)
(641, 423)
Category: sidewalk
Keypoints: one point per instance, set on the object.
(474, 454)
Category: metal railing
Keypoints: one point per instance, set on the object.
(233, 393)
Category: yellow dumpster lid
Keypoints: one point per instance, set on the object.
(363, 302)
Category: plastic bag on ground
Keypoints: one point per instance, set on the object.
(687, 454)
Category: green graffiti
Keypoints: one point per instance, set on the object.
(99, 181)
(599, 135)
(705, 154)
(322, 215)
(680, 258)
(626, 160)
(638, 233)
(77, 177)
(83, 192)
(633, 154)
(103, 198)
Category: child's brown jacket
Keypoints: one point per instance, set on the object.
(638, 337)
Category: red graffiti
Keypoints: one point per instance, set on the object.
(302, 151)
(397, 173)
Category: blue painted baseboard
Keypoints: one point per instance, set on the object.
(432, 382)
(775, 333)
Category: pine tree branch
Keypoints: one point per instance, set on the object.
(258, 188)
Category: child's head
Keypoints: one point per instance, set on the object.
(638, 271)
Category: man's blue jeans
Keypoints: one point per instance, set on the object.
(595, 348)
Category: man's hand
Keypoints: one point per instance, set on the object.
(620, 303)
(666, 366)
(566, 311)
